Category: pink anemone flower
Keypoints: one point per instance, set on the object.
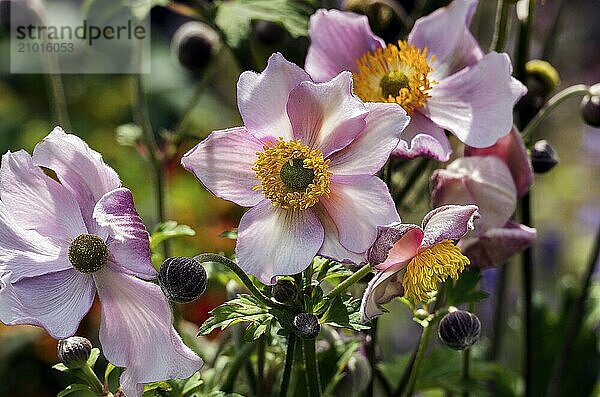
(440, 76)
(493, 179)
(304, 162)
(61, 242)
(412, 260)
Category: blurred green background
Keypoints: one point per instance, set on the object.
(566, 201)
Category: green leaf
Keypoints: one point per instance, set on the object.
(344, 313)
(234, 17)
(156, 386)
(74, 388)
(94, 354)
(464, 290)
(168, 230)
(245, 308)
(193, 384)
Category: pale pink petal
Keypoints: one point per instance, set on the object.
(337, 40)
(422, 138)
(332, 248)
(357, 205)
(79, 168)
(482, 181)
(497, 246)
(262, 97)
(327, 115)
(511, 149)
(449, 222)
(55, 301)
(25, 253)
(445, 32)
(396, 244)
(129, 242)
(223, 163)
(276, 242)
(476, 104)
(37, 201)
(384, 287)
(385, 123)
(136, 332)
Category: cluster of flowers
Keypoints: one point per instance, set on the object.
(305, 162)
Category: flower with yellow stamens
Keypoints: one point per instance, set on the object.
(439, 75)
(411, 261)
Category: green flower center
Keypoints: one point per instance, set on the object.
(295, 176)
(88, 253)
(392, 83)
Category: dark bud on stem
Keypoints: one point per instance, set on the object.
(543, 157)
(459, 330)
(306, 325)
(590, 107)
(195, 43)
(541, 80)
(284, 291)
(182, 280)
(269, 33)
(74, 352)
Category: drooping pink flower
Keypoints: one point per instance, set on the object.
(61, 241)
(305, 162)
(493, 179)
(439, 75)
(412, 260)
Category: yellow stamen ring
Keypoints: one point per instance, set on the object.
(431, 266)
(397, 74)
(292, 175)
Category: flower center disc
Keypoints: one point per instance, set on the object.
(397, 74)
(431, 266)
(292, 175)
(88, 253)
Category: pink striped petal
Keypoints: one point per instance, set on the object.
(423, 138)
(332, 248)
(384, 287)
(395, 246)
(449, 222)
(337, 40)
(273, 241)
(136, 333)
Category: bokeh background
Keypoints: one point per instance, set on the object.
(566, 201)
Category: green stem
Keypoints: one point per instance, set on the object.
(577, 90)
(241, 358)
(260, 366)
(527, 272)
(524, 41)
(500, 26)
(59, 102)
(311, 368)
(372, 355)
(191, 105)
(423, 342)
(287, 369)
(344, 285)
(92, 380)
(499, 312)
(574, 324)
(466, 354)
(241, 275)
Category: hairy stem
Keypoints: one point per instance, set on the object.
(344, 285)
(287, 369)
(414, 373)
(311, 368)
(372, 355)
(500, 26)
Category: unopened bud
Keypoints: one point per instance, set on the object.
(545, 74)
(269, 33)
(74, 352)
(284, 291)
(195, 43)
(590, 107)
(306, 325)
(459, 329)
(543, 157)
(182, 279)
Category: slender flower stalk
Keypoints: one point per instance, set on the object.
(500, 26)
(311, 368)
(260, 378)
(423, 342)
(289, 362)
(466, 356)
(577, 90)
(372, 355)
(347, 283)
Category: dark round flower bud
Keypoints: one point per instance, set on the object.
(195, 43)
(459, 329)
(590, 107)
(269, 33)
(284, 291)
(182, 279)
(543, 157)
(74, 352)
(545, 74)
(306, 325)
